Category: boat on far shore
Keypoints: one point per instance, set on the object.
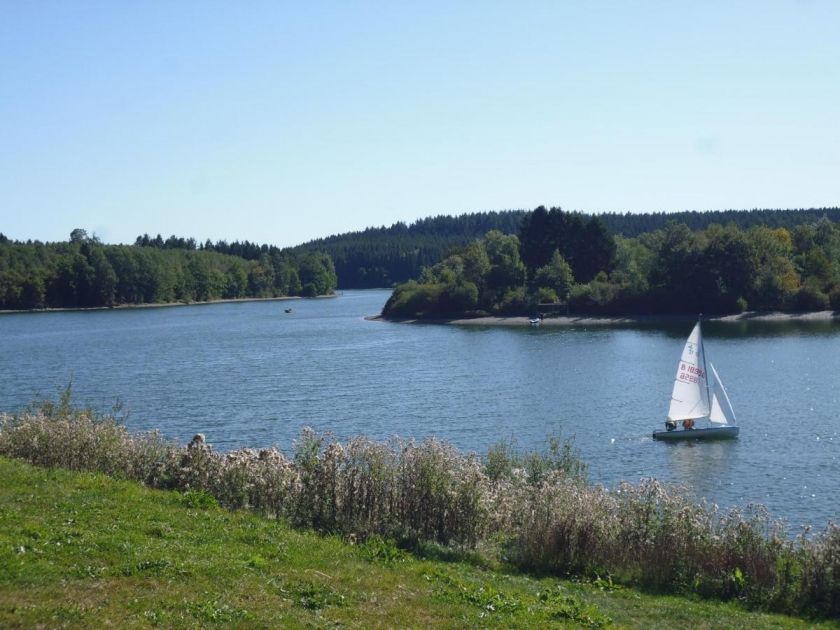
(693, 400)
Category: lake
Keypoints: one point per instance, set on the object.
(249, 374)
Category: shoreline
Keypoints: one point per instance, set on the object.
(629, 320)
(121, 307)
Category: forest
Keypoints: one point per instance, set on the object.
(723, 261)
(576, 264)
(85, 273)
(385, 256)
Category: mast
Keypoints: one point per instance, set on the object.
(705, 369)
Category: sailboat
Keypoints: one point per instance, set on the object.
(693, 399)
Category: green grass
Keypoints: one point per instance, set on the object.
(84, 550)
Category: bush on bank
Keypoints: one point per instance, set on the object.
(535, 511)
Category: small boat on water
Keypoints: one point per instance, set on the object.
(288, 310)
(534, 321)
(693, 399)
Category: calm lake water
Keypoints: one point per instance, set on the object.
(248, 374)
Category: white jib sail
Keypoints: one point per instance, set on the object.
(721, 412)
(690, 398)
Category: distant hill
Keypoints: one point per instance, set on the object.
(384, 256)
(630, 224)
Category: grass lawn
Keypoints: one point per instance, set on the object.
(83, 550)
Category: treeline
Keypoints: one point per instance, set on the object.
(630, 224)
(384, 256)
(242, 249)
(573, 262)
(84, 273)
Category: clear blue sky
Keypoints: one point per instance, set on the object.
(281, 122)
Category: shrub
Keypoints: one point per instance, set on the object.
(537, 508)
(412, 299)
(545, 295)
(79, 439)
(810, 298)
(834, 299)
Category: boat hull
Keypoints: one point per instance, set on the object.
(712, 433)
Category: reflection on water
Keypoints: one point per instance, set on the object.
(702, 467)
(765, 329)
(250, 374)
(680, 327)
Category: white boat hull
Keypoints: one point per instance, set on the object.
(711, 433)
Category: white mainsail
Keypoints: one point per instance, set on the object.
(690, 398)
(721, 412)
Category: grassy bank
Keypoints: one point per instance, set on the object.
(83, 550)
(532, 512)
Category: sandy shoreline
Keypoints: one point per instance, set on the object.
(164, 304)
(818, 316)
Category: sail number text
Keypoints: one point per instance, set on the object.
(690, 373)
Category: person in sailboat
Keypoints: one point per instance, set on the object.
(688, 424)
(670, 424)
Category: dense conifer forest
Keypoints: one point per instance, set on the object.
(572, 261)
(628, 224)
(720, 261)
(84, 273)
(385, 256)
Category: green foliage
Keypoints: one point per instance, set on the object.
(483, 596)
(570, 608)
(312, 595)
(556, 276)
(834, 298)
(561, 458)
(213, 611)
(84, 273)
(220, 569)
(383, 257)
(316, 274)
(632, 224)
(383, 550)
(460, 296)
(487, 276)
(810, 298)
(200, 499)
(674, 270)
(500, 460)
(583, 241)
(413, 299)
(533, 514)
(386, 256)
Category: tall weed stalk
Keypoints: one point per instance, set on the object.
(536, 510)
